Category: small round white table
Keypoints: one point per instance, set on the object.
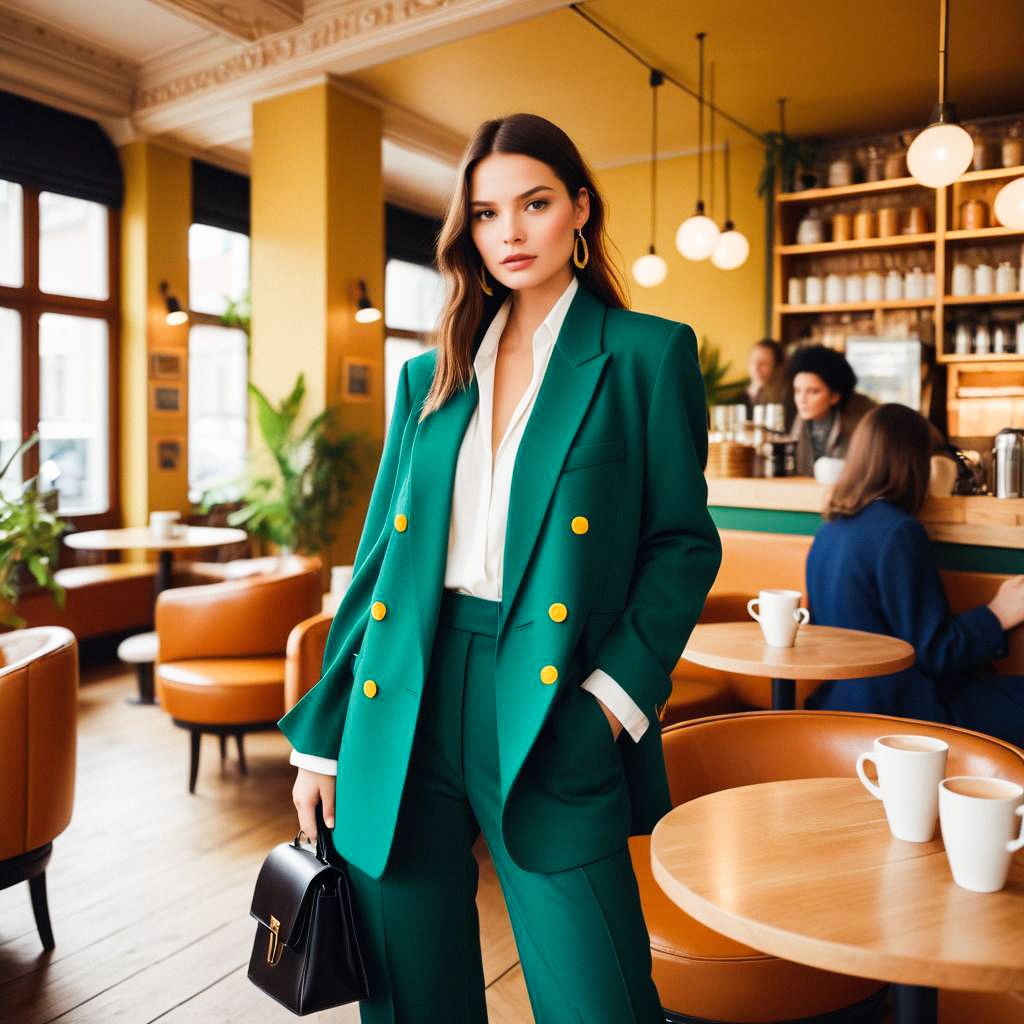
(141, 650)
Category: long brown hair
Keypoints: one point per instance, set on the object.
(889, 457)
(466, 306)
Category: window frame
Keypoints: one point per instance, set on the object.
(30, 302)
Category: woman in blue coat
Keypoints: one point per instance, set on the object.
(871, 567)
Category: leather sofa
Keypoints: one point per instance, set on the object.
(221, 662)
(38, 737)
(703, 976)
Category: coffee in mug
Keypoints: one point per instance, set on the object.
(909, 770)
(779, 613)
(980, 829)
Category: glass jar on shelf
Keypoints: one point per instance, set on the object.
(984, 279)
(1006, 278)
(1013, 146)
(962, 278)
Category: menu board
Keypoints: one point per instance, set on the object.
(887, 370)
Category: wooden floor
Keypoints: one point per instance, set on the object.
(149, 886)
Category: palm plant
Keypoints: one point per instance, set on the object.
(30, 535)
(717, 390)
(298, 503)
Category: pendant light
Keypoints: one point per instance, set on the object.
(1009, 205)
(732, 247)
(651, 270)
(697, 235)
(943, 151)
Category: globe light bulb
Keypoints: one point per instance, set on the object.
(1009, 205)
(697, 236)
(731, 249)
(650, 270)
(940, 154)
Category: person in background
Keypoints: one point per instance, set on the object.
(827, 406)
(871, 567)
(767, 373)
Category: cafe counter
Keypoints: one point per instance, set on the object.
(980, 532)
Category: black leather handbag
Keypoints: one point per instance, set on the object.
(306, 954)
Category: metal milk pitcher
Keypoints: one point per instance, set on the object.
(1008, 467)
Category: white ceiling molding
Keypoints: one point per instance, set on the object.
(52, 66)
(244, 20)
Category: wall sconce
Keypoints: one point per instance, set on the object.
(366, 311)
(175, 314)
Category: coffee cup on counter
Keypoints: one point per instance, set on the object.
(780, 614)
(162, 524)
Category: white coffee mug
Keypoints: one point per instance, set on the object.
(980, 829)
(909, 770)
(779, 613)
(161, 524)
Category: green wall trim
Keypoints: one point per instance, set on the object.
(965, 557)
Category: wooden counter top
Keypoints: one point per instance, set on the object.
(981, 520)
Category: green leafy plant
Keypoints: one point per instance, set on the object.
(787, 155)
(239, 313)
(298, 503)
(30, 535)
(718, 390)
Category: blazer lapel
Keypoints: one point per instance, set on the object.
(565, 394)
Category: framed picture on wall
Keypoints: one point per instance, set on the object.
(166, 398)
(165, 365)
(356, 380)
(168, 453)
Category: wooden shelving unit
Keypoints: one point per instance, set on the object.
(991, 399)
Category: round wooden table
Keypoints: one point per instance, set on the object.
(820, 652)
(807, 870)
(141, 538)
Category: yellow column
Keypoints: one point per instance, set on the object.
(154, 248)
(317, 227)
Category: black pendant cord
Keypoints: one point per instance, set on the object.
(588, 17)
(728, 187)
(656, 80)
(711, 138)
(700, 127)
(943, 60)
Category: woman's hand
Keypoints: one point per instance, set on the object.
(1008, 604)
(310, 789)
(615, 724)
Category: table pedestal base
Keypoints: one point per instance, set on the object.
(914, 1004)
(783, 694)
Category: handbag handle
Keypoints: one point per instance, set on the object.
(321, 835)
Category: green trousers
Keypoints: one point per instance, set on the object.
(580, 933)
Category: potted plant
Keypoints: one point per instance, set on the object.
(788, 155)
(30, 535)
(296, 502)
(717, 389)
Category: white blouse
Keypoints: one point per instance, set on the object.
(480, 499)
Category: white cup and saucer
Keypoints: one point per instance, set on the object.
(780, 615)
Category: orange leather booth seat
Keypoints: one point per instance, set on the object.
(38, 742)
(702, 974)
(222, 645)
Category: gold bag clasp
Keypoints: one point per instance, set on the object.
(275, 947)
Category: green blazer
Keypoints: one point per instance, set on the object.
(608, 516)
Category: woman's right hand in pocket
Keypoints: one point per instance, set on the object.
(310, 789)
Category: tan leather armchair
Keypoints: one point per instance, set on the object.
(221, 664)
(703, 976)
(304, 657)
(38, 735)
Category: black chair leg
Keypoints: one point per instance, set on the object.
(239, 739)
(223, 748)
(196, 736)
(40, 908)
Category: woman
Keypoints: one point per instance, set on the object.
(871, 567)
(536, 552)
(827, 406)
(766, 370)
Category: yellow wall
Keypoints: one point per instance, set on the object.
(154, 248)
(725, 305)
(317, 227)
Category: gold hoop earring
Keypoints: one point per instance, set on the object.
(581, 263)
(482, 277)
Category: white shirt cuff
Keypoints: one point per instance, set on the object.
(618, 702)
(312, 763)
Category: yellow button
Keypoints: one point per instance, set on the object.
(401, 523)
(558, 612)
(378, 610)
(548, 674)
(370, 688)
(580, 524)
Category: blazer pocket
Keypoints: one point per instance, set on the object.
(594, 454)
